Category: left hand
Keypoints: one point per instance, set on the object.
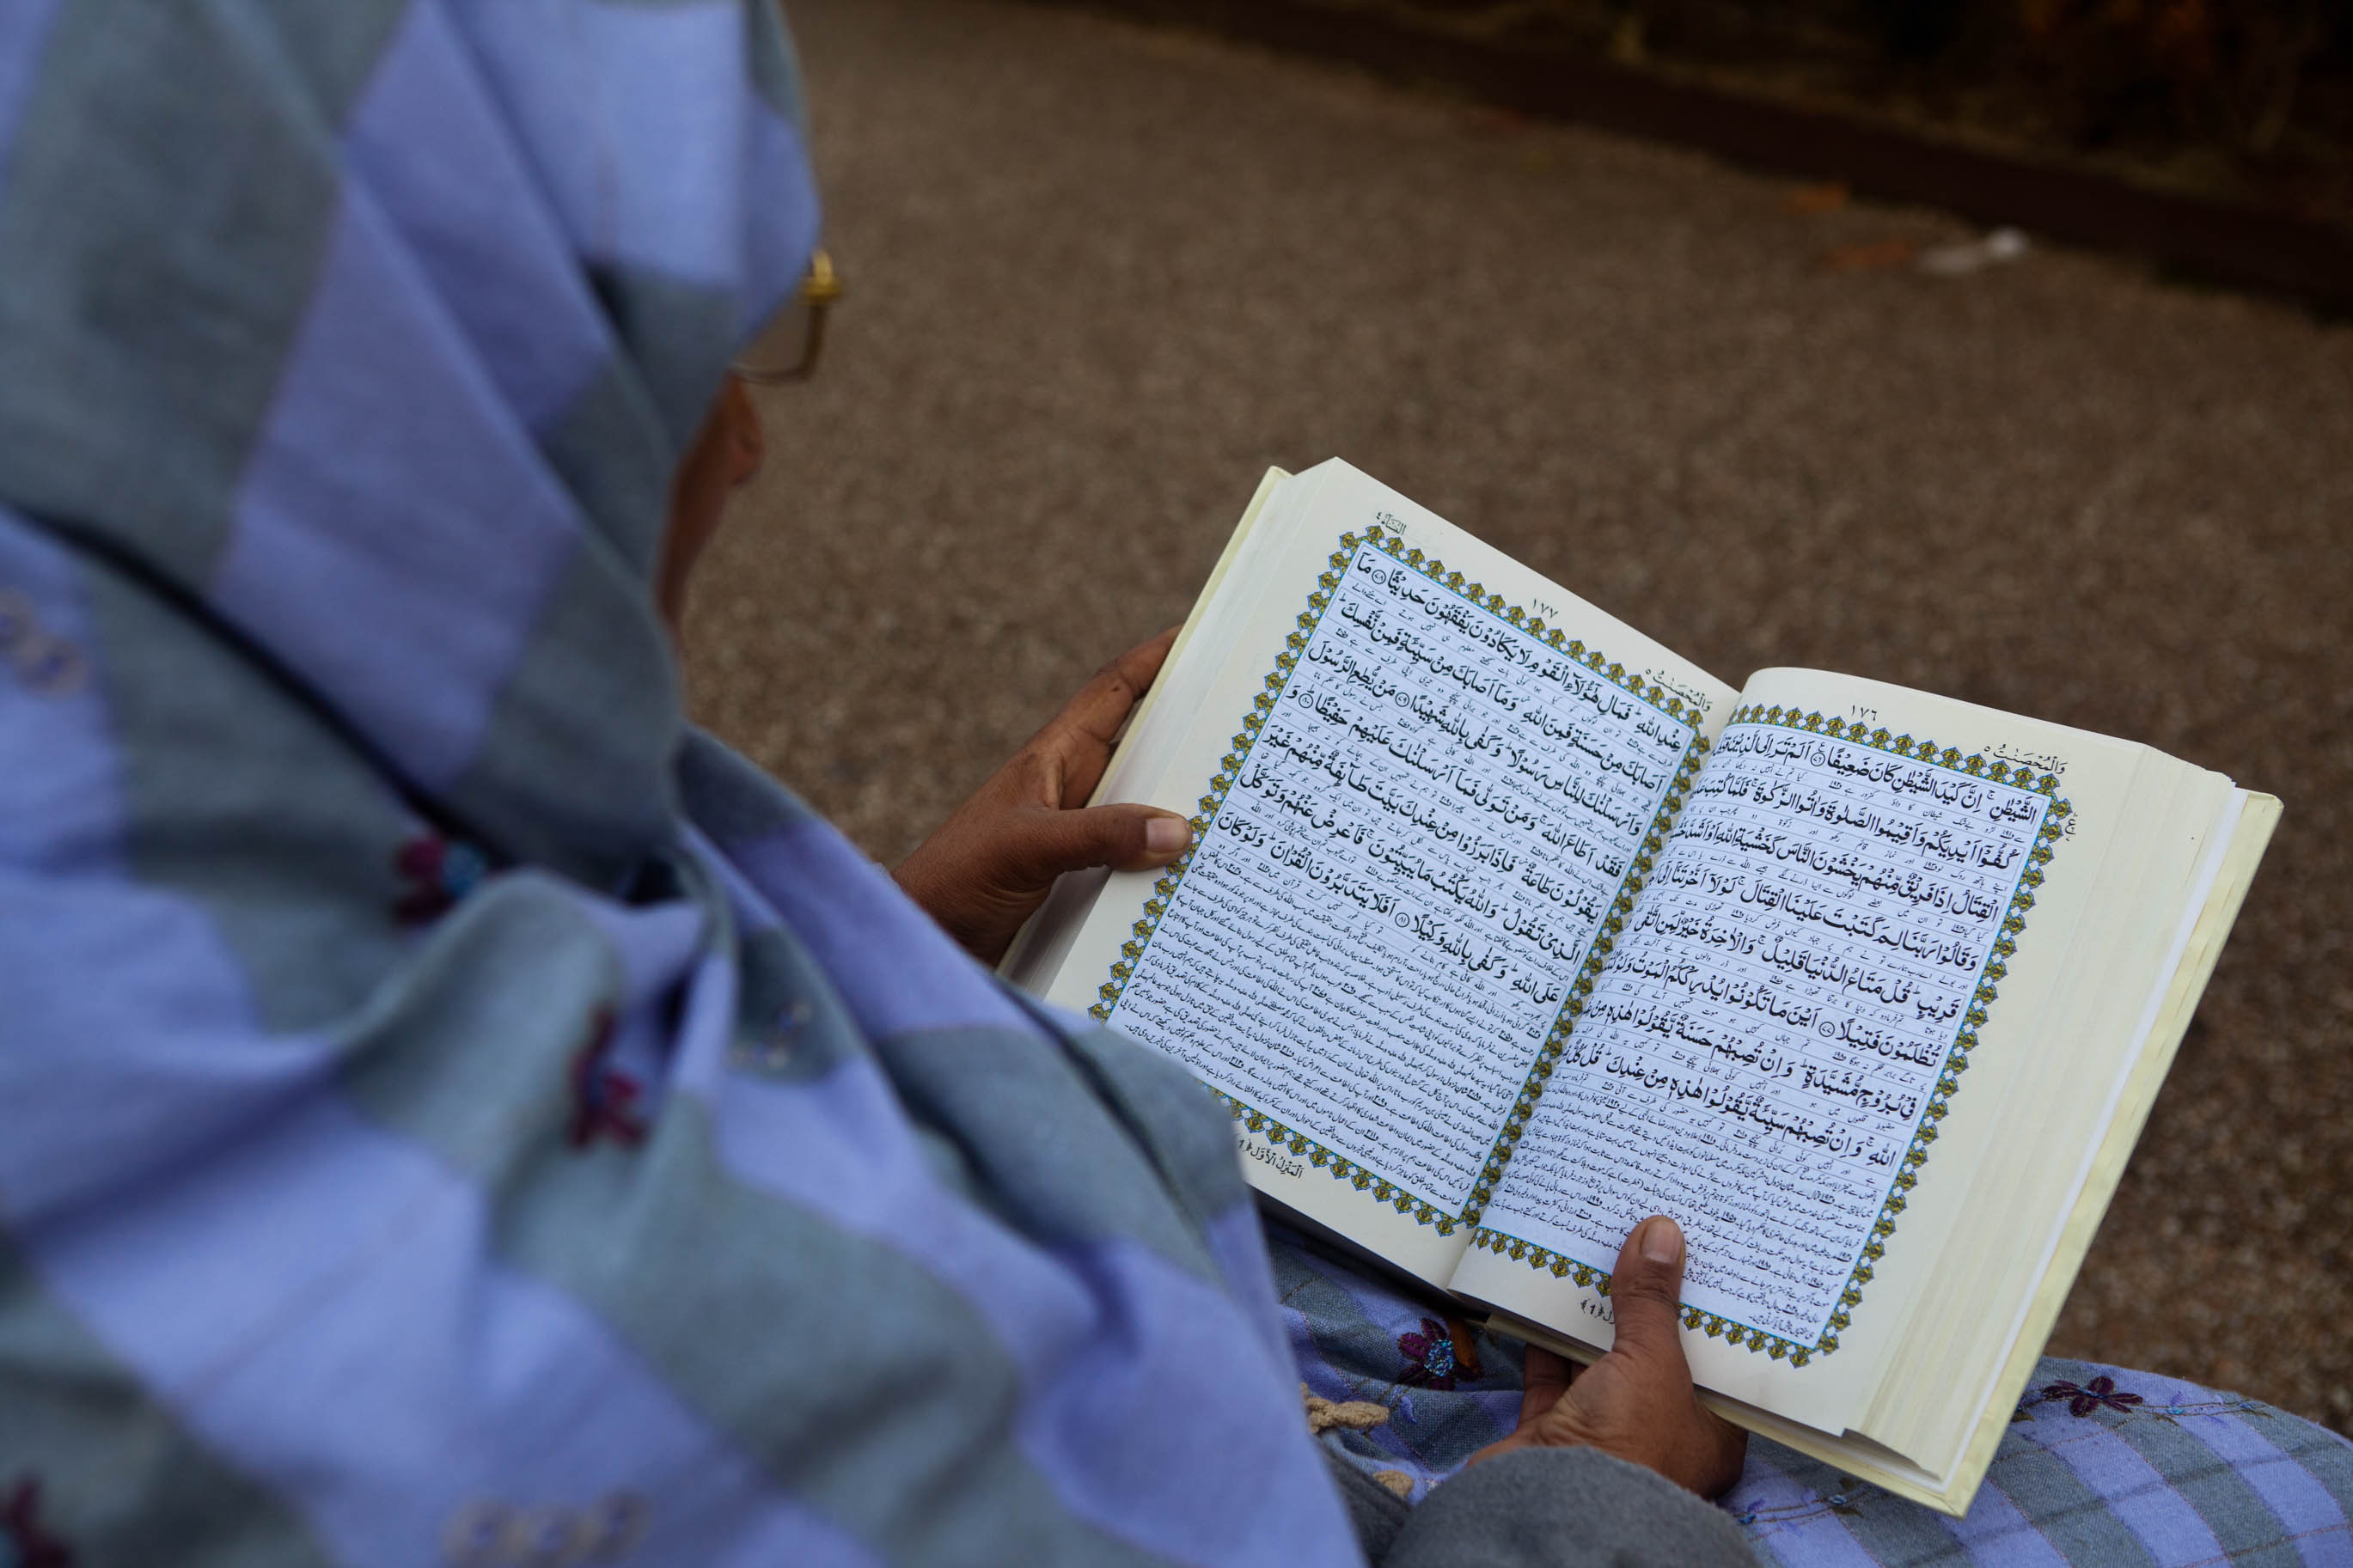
(993, 862)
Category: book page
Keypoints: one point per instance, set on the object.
(1422, 798)
(1770, 1051)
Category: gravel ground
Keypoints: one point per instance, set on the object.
(1101, 277)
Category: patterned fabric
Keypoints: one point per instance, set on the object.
(1357, 1337)
(448, 1111)
(2099, 1466)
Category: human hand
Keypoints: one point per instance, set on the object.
(993, 862)
(1636, 1402)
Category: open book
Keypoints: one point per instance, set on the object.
(1505, 927)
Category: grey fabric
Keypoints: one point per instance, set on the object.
(1195, 1156)
(1018, 1116)
(1375, 1512)
(559, 767)
(1538, 1508)
(152, 276)
(1564, 1508)
(294, 881)
(609, 448)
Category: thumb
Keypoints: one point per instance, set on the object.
(1124, 838)
(1645, 1296)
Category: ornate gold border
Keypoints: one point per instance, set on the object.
(1957, 1061)
(1229, 767)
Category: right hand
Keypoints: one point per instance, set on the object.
(1636, 1402)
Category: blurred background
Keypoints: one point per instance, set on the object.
(2246, 100)
(1103, 274)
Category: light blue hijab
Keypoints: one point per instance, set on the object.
(451, 1111)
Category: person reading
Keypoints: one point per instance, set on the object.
(456, 1111)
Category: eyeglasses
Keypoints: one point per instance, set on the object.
(788, 346)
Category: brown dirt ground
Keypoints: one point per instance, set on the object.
(1103, 277)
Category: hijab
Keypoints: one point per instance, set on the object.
(450, 1109)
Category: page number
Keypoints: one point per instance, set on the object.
(1868, 715)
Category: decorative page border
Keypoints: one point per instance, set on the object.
(1605, 938)
(1229, 767)
(1957, 1061)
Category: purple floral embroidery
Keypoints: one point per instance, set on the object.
(2100, 1391)
(1438, 1355)
(438, 871)
(604, 1100)
(20, 1526)
(1428, 1355)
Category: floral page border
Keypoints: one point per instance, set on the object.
(1957, 1061)
(1229, 768)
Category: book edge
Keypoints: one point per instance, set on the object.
(1193, 618)
(2241, 858)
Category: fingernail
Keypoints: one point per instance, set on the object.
(1662, 1241)
(1166, 834)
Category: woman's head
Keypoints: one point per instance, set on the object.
(383, 339)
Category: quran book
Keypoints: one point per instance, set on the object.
(1505, 927)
